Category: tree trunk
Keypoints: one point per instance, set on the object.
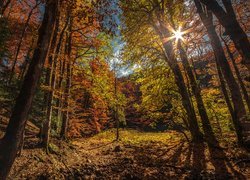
(62, 76)
(59, 100)
(117, 122)
(225, 92)
(47, 123)
(209, 134)
(53, 60)
(49, 83)
(233, 29)
(65, 118)
(237, 72)
(239, 107)
(48, 97)
(163, 33)
(186, 102)
(11, 141)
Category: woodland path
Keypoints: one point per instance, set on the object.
(137, 156)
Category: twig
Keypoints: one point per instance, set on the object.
(242, 161)
(68, 168)
(176, 167)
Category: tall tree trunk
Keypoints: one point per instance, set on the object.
(62, 66)
(209, 134)
(48, 82)
(233, 29)
(187, 104)
(48, 96)
(61, 89)
(47, 123)
(117, 122)
(11, 141)
(60, 96)
(20, 42)
(65, 118)
(163, 33)
(52, 83)
(224, 91)
(239, 107)
(237, 72)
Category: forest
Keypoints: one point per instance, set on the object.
(124, 89)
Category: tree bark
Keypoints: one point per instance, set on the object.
(225, 92)
(47, 123)
(237, 72)
(233, 29)
(209, 134)
(163, 33)
(117, 122)
(11, 141)
(65, 117)
(48, 82)
(61, 76)
(52, 84)
(239, 107)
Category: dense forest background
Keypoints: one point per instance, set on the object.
(73, 69)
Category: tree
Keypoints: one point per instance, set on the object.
(237, 72)
(197, 93)
(14, 133)
(155, 17)
(21, 39)
(232, 27)
(238, 104)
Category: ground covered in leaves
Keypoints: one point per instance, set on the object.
(138, 155)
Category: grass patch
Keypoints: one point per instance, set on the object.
(128, 136)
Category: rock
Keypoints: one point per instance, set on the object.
(117, 149)
(127, 160)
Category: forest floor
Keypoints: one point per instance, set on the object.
(138, 155)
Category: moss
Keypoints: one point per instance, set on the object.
(53, 148)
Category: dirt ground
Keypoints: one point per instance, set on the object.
(142, 156)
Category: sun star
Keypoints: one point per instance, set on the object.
(178, 34)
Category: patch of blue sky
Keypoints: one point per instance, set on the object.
(110, 12)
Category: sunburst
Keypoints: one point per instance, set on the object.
(178, 34)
